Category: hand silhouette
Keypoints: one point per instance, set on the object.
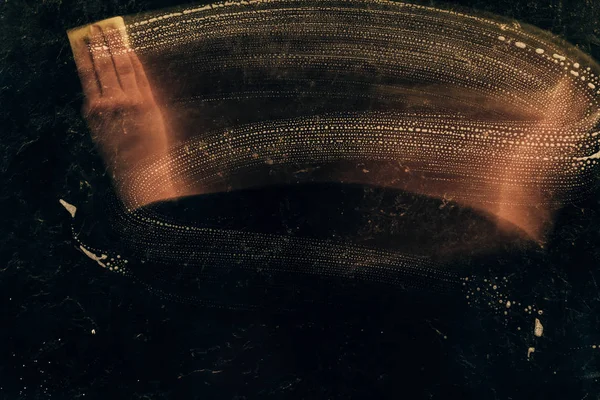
(124, 119)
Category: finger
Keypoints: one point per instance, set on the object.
(121, 59)
(79, 41)
(103, 63)
(116, 36)
(141, 78)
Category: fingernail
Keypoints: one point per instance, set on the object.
(95, 29)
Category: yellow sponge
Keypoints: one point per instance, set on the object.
(78, 36)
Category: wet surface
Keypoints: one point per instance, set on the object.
(71, 329)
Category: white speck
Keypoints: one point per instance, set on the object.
(574, 73)
(539, 51)
(508, 304)
(69, 207)
(94, 257)
(93, 331)
(595, 155)
(539, 328)
(576, 65)
(591, 86)
(502, 38)
(520, 45)
(559, 57)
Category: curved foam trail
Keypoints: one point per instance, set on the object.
(480, 111)
(485, 112)
(228, 268)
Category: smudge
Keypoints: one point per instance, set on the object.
(264, 87)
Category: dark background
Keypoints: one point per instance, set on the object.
(52, 297)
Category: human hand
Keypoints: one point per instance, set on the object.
(124, 119)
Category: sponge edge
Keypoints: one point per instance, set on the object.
(78, 36)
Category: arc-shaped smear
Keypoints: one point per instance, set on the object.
(484, 112)
(481, 111)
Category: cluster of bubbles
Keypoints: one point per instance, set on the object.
(478, 110)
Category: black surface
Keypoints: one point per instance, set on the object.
(384, 346)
